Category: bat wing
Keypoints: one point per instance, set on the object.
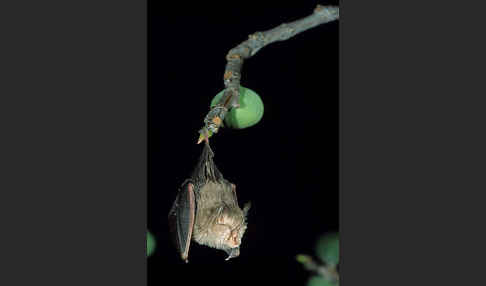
(181, 219)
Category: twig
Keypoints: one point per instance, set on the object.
(248, 48)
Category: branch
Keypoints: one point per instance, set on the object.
(248, 48)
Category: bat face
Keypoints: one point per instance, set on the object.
(206, 211)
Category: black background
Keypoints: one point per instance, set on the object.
(287, 165)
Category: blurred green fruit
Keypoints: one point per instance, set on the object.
(248, 114)
(150, 243)
(319, 281)
(327, 248)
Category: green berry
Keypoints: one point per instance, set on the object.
(248, 114)
(327, 248)
(150, 244)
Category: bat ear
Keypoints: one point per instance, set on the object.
(181, 219)
(246, 208)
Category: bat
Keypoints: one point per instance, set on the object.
(206, 211)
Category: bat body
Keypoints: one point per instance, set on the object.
(206, 211)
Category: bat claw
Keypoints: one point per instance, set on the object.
(203, 138)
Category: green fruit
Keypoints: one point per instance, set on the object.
(248, 114)
(319, 281)
(150, 244)
(327, 248)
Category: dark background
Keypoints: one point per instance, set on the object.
(287, 165)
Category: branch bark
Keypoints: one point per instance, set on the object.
(248, 48)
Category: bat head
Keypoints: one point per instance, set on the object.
(225, 230)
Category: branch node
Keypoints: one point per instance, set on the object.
(227, 75)
(318, 8)
(230, 57)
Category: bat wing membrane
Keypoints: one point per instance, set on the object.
(181, 219)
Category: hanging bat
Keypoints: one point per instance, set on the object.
(206, 211)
